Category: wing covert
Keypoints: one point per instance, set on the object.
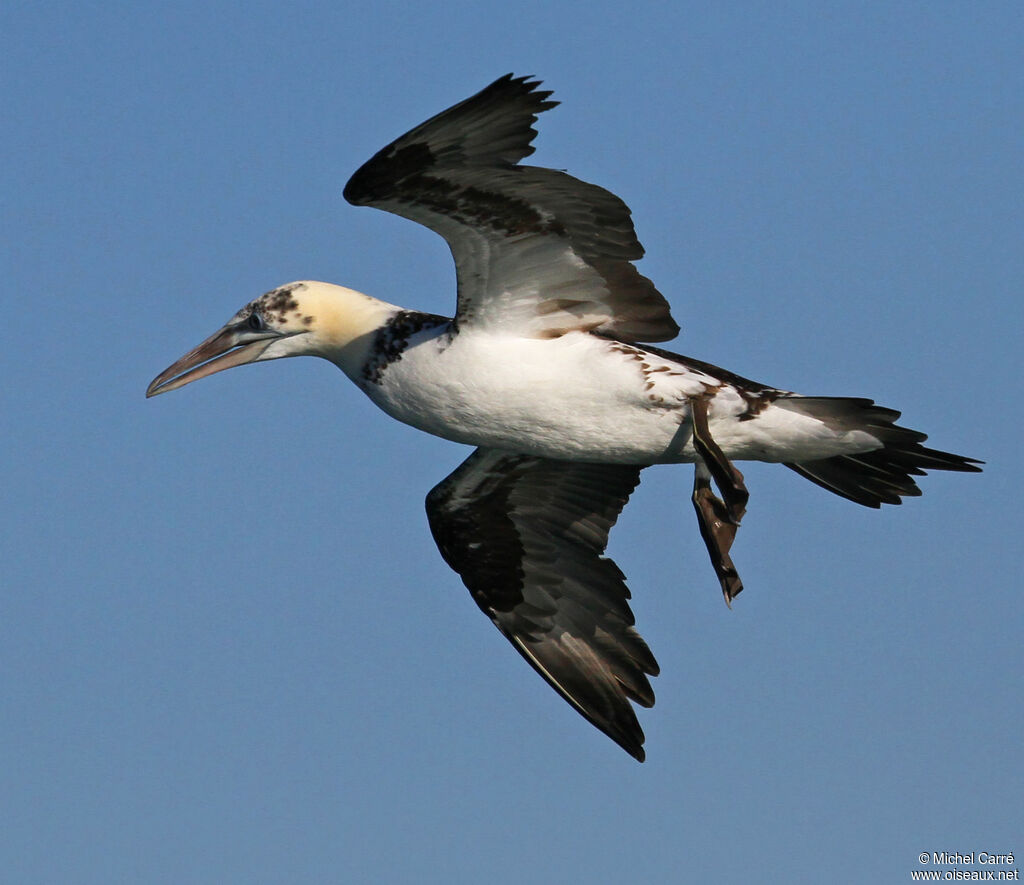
(536, 250)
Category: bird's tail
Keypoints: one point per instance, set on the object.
(881, 476)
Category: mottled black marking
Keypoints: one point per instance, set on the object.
(274, 306)
(756, 402)
(738, 381)
(476, 207)
(756, 396)
(393, 338)
(396, 178)
(638, 354)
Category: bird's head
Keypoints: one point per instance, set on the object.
(304, 318)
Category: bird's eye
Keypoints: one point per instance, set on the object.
(255, 322)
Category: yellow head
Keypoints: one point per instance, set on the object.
(306, 318)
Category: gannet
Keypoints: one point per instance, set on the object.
(548, 369)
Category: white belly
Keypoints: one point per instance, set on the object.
(579, 398)
(565, 398)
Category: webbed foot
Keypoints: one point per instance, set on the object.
(718, 518)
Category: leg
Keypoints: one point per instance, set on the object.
(728, 479)
(717, 530)
(718, 519)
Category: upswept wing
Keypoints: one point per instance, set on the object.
(527, 536)
(536, 251)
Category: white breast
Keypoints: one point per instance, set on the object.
(573, 397)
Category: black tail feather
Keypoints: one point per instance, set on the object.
(881, 476)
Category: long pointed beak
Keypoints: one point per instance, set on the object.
(229, 347)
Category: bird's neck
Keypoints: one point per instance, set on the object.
(346, 322)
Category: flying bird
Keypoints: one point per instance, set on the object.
(548, 369)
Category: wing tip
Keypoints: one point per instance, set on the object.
(494, 126)
(527, 85)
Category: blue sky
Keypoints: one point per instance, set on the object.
(229, 651)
